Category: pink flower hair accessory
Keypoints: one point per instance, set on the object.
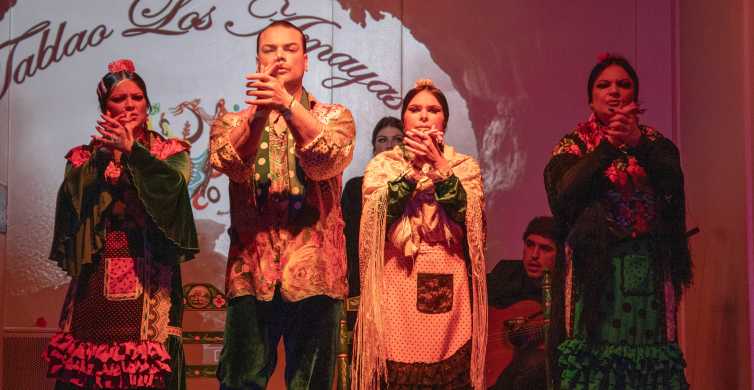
(121, 65)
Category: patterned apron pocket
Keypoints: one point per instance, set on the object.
(122, 279)
(434, 293)
(635, 275)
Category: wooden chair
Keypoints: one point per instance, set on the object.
(345, 346)
(202, 297)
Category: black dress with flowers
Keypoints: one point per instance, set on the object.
(621, 214)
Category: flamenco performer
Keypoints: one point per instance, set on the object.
(422, 320)
(123, 225)
(616, 190)
(284, 156)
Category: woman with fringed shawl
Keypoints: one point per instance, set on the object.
(422, 319)
(123, 225)
(616, 190)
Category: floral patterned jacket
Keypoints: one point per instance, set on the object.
(289, 231)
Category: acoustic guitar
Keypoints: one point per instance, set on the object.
(518, 326)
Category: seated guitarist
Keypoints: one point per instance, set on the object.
(515, 353)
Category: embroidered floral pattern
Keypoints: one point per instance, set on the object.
(157, 303)
(633, 211)
(305, 253)
(160, 147)
(626, 174)
(567, 145)
(163, 148)
(434, 293)
(79, 155)
(113, 171)
(631, 201)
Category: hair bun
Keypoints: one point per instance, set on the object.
(424, 83)
(122, 65)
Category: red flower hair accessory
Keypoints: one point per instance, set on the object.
(122, 65)
(604, 56)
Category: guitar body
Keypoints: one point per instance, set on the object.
(521, 321)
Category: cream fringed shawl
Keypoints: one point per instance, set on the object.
(369, 366)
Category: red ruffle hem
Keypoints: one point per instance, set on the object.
(116, 365)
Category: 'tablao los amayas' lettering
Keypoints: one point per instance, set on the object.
(52, 46)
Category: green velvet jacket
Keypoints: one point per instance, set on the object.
(158, 169)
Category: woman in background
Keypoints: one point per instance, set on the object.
(123, 225)
(387, 133)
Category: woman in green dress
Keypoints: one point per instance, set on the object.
(616, 189)
(123, 225)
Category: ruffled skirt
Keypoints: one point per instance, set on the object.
(116, 365)
(634, 346)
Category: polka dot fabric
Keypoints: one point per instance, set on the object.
(97, 318)
(413, 336)
(122, 282)
(121, 279)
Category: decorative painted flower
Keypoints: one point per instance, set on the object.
(219, 300)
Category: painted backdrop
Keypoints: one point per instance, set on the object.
(514, 72)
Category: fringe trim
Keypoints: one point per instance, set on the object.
(568, 312)
(369, 366)
(477, 235)
(670, 311)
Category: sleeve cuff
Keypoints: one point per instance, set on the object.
(226, 159)
(308, 147)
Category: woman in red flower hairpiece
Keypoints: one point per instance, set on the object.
(123, 224)
(616, 189)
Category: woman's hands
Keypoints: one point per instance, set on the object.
(426, 149)
(623, 127)
(116, 133)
